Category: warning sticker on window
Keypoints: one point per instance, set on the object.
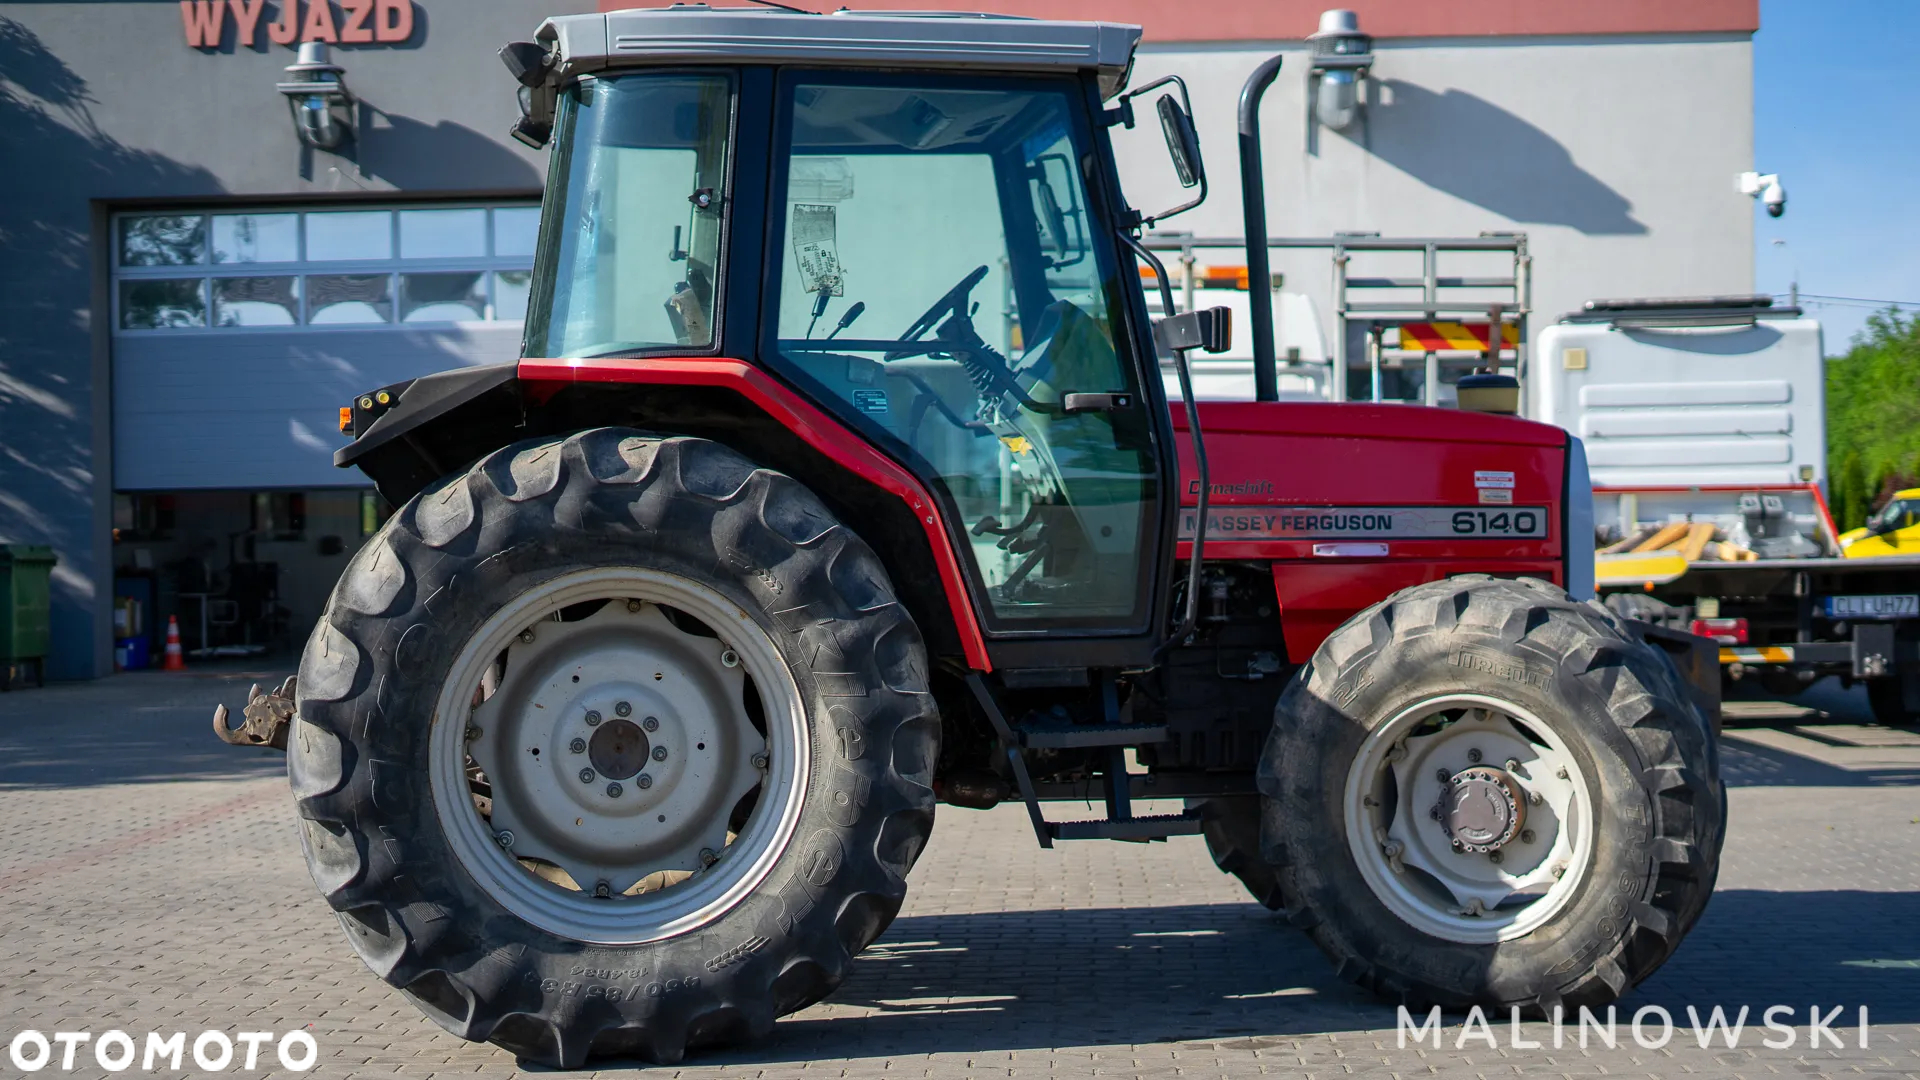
(871, 402)
(816, 248)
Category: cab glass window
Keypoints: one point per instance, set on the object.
(942, 287)
(630, 259)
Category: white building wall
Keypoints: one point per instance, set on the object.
(1615, 155)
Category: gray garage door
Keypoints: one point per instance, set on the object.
(238, 336)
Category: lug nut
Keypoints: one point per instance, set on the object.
(593, 718)
(1526, 836)
(633, 606)
(651, 723)
(1536, 798)
(622, 709)
(602, 890)
(1559, 871)
(1474, 756)
(659, 753)
(614, 790)
(1562, 774)
(1442, 775)
(1513, 764)
(578, 746)
(504, 838)
(729, 658)
(1494, 856)
(643, 781)
(708, 857)
(1433, 812)
(759, 761)
(526, 635)
(472, 733)
(586, 776)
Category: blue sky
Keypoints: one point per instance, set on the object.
(1836, 114)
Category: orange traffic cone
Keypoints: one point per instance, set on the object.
(176, 660)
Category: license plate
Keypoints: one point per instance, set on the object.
(1873, 607)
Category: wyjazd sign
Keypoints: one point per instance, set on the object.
(352, 22)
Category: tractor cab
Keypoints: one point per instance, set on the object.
(937, 258)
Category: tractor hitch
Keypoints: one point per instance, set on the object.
(264, 721)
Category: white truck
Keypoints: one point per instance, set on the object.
(1704, 425)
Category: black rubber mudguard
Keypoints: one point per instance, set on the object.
(432, 426)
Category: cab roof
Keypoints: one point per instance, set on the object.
(698, 34)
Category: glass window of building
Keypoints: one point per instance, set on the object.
(280, 268)
(256, 238)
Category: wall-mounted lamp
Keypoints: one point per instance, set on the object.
(1342, 56)
(316, 91)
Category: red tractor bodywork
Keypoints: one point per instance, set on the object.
(1277, 469)
(1271, 458)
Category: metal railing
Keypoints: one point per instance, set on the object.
(1438, 293)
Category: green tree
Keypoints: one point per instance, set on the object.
(1873, 416)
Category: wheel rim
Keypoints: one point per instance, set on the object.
(1514, 800)
(596, 763)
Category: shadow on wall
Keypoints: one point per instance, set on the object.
(413, 155)
(57, 159)
(1475, 150)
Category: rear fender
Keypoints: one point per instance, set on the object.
(441, 422)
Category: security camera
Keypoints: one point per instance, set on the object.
(1765, 187)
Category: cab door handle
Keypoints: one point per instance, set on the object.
(1078, 403)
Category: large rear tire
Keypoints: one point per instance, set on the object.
(613, 744)
(1481, 792)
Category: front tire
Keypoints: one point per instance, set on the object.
(1481, 792)
(726, 857)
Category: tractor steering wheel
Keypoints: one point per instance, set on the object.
(955, 301)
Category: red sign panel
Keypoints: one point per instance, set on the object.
(355, 22)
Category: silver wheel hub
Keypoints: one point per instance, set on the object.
(669, 747)
(1481, 809)
(628, 756)
(1459, 847)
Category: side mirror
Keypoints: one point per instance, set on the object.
(1183, 143)
(1209, 330)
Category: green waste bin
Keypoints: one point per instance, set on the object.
(26, 606)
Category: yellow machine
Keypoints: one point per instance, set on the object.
(1895, 530)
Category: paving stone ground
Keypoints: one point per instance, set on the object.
(150, 881)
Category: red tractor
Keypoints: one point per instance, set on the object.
(838, 481)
